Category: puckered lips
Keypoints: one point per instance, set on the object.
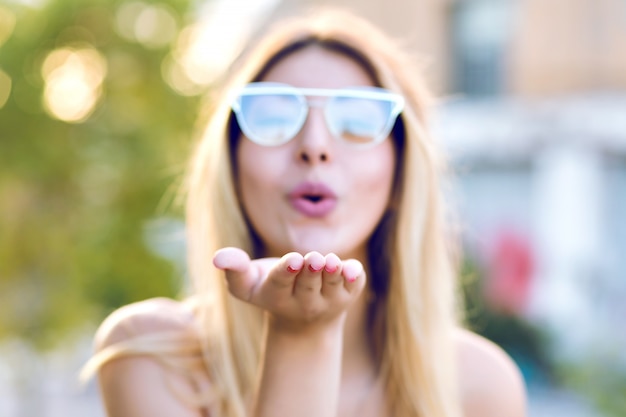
(313, 199)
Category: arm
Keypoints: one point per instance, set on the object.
(300, 373)
(306, 299)
(140, 386)
(491, 385)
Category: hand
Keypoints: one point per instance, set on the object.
(298, 291)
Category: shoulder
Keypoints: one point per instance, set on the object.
(144, 318)
(490, 382)
(125, 378)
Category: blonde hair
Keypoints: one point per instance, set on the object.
(413, 315)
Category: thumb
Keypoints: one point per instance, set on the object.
(240, 276)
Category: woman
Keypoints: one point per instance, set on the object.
(323, 274)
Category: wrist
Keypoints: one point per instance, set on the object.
(328, 331)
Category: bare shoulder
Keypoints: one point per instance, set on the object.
(491, 384)
(143, 318)
(127, 380)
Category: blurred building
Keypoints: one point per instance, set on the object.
(533, 115)
(495, 47)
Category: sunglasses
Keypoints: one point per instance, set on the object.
(271, 114)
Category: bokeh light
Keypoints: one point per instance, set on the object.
(176, 77)
(73, 80)
(5, 88)
(153, 26)
(202, 53)
(125, 18)
(205, 49)
(7, 23)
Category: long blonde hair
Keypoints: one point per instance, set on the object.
(413, 316)
(417, 310)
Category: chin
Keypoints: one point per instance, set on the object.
(323, 240)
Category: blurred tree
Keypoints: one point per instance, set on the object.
(77, 189)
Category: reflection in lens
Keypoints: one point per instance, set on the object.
(358, 120)
(273, 118)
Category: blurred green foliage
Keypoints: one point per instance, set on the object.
(523, 341)
(75, 197)
(602, 381)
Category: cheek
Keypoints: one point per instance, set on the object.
(250, 175)
(258, 177)
(376, 174)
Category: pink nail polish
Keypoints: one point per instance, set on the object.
(330, 270)
(351, 279)
(312, 269)
(291, 269)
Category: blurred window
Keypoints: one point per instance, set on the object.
(617, 208)
(480, 36)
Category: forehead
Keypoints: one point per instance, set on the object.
(317, 67)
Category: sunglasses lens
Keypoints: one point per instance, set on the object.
(271, 114)
(360, 120)
(270, 119)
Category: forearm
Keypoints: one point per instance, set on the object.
(301, 373)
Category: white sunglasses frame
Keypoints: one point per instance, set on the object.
(367, 92)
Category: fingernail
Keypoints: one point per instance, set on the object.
(291, 269)
(329, 269)
(351, 279)
(314, 269)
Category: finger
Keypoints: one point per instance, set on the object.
(354, 275)
(231, 258)
(309, 280)
(331, 277)
(278, 277)
(283, 273)
(240, 276)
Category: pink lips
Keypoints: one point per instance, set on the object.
(313, 199)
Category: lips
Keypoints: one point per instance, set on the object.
(313, 199)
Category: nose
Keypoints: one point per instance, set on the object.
(315, 141)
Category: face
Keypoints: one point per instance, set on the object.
(315, 192)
